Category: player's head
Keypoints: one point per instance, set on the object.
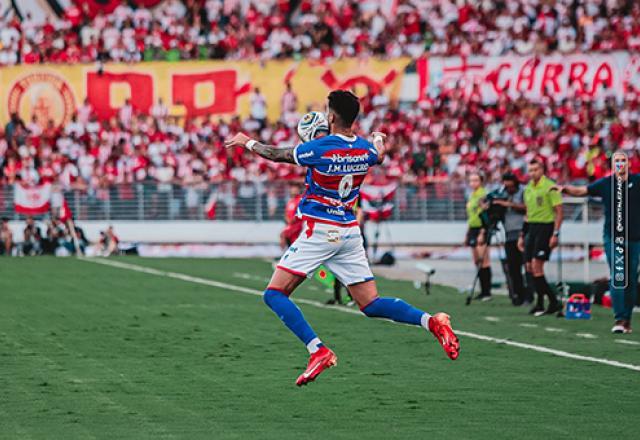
(294, 190)
(476, 179)
(343, 109)
(510, 182)
(535, 168)
(620, 164)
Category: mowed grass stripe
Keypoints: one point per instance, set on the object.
(241, 289)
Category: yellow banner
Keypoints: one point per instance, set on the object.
(193, 88)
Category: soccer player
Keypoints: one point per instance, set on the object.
(337, 164)
(540, 233)
(293, 225)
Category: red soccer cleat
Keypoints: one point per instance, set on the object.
(440, 326)
(319, 361)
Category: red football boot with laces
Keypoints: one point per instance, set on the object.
(440, 326)
(319, 361)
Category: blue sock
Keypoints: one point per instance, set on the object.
(291, 315)
(396, 310)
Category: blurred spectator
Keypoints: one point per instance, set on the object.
(258, 107)
(32, 238)
(289, 100)
(108, 242)
(6, 237)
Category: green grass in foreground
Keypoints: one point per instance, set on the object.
(88, 351)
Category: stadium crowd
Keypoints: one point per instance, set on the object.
(440, 139)
(320, 29)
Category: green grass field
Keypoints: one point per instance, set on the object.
(92, 351)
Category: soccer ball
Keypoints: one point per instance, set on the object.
(312, 125)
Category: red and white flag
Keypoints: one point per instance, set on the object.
(32, 200)
(377, 201)
(211, 205)
(65, 212)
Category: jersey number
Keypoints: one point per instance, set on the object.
(346, 184)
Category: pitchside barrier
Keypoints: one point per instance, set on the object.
(226, 212)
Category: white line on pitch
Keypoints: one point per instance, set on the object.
(492, 318)
(554, 329)
(626, 341)
(207, 282)
(528, 325)
(586, 335)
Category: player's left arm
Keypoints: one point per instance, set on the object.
(379, 139)
(269, 152)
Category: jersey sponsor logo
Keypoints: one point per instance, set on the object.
(335, 211)
(349, 159)
(347, 155)
(305, 155)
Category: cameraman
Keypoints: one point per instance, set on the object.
(540, 233)
(513, 220)
(477, 235)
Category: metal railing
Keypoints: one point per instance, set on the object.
(254, 201)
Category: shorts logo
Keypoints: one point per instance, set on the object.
(540, 253)
(44, 95)
(333, 236)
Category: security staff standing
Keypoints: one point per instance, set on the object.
(623, 299)
(477, 234)
(513, 222)
(540, 233)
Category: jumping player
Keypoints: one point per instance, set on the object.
(337, 164)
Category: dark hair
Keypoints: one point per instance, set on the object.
(345, 105)
(509, 176)
(538, 161)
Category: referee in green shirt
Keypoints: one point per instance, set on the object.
(477, 236)
(540, 233)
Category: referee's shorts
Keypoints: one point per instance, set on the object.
(471, 239)
(536, 242)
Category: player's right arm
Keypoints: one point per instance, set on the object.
(269, 152)
(572, 190)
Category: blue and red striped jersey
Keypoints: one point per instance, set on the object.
(337, 166)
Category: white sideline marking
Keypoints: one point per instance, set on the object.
(554, 329)
(204, 281)
(527, 325)
(492, 318)
(586, 335)
(625, 341)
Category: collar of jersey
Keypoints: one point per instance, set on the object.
(346, 138)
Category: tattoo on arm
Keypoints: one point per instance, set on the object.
(274, 153)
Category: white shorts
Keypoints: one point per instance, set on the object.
(340, 249)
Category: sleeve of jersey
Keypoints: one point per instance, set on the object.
(596, 188)
(308, 153)
(556, 198)
(373, 155)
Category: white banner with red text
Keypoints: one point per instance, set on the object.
(485, 79)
